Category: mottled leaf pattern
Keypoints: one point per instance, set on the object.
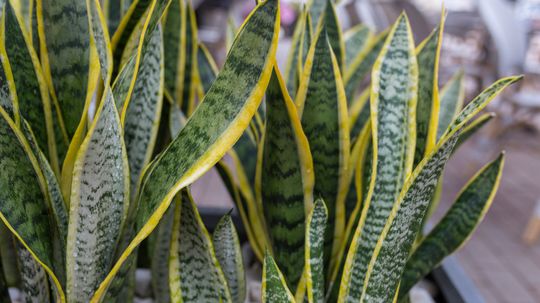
(333, 31)
(142, 116)
(287, 175)
(356, 39)
(452, 97)
(67, 54)
(34, 283)
(274, 287)
(316, 10)
(456, 226)
(194, 271)
(206, 67)
(323, 108)
(314, 260)
(216, 125)
(229, 255)
(99, 203)
(393, 101)
(160, 257)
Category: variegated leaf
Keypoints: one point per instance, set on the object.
(361, 65)
(160, 256)
(427, 108)
(314, 260)
(316, 10)
(66, 56)
(333, 31)
(323, 110)
(293, 68)
(452, 97)
(356, 39)
(194, 271)
(33, 97)
(393, 102)
(8, 97)
(24, 203)
(34, 283)
(473, 127)
(456, 226)
(212, 130)
(207, 68)
(229, 255)
(99, 203)
(286, 179)
(274, 287)
(144, 109)
(114, 11)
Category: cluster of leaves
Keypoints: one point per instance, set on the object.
(101, 138)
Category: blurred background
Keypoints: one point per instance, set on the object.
(487, 39)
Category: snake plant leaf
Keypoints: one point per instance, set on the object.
(287, 175)
(333, 31)
(316, 10)
(218, 122)
(32, 94)
(34, 282)
(160, 257)
(8, 253)
(194, 271)
(452, 97)
(274, 287)
(229, 254)
(394, 245)
(24, 202)
(114, 11)
(8, 96)
(356, 39)
(393, 104)
(361, 64)
(99, 203)
(293, 67)
(359, 114)
(323, 110)
(314, 260)
(427, 108)
(65, 55)
(473, 127)
(207, 67)
(456, 226)
(142, 116)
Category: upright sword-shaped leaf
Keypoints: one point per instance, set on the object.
(274, 287)
(314, 256)
(99, 203)
(333, 30)
(229, 254)
(214, 127)
(194, 271)
(287, 175)
(393, 104)
(356, 39)
(456, 226)
(452, 97)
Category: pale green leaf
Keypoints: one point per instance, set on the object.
(160, 250)
(274, 287)
(356, 39)
(34, 280)
(452, 97)
(314, 260)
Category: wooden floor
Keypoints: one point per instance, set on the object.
(500, 264)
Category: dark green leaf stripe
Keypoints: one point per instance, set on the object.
(99, 203)
(393, 102)
(316, 9)
(229, 254)
(142, 116)
(114, 11)
(287, 175)
(452, 97)
(194, 271)
(333, 30)
(185, 89)
(8, 99)
(456, 226)
(207, 68)
(394, 245)
(32, 95)
(160, 257)
(66, 55)
(359, 114)
(314, 260)
(323, 108)
(361, 65)
(427, 108)
(213, 128)
(173, 31)
(23, 202)
(356, 39)
(274, 287)
(34, 283)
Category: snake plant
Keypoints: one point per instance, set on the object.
(110, 110)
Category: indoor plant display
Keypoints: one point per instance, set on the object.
(332, 185)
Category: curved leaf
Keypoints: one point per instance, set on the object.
(229, 254)
(99, 203)
(356, 39)
(213, 128)
(274, 287)
(333, 31)
(316, 10)
(323, 110)
(293, 70)
(160, 257)
(452, 97)
(287, 179)
(456, 226)
(393, 104)
(207, 67)
(314, 256)
(34, 283)
(194, 271)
